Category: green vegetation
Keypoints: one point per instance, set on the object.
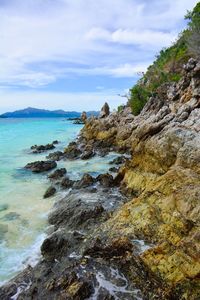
(168, 64)
(120, 108)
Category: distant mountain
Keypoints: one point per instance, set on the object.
(31, 112)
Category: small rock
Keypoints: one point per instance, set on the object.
(118, 160)
(105, 111)
(84, 116)
(59, 173)
(49, 192)
(41, 166)
(67, 183)
(87, 154)
(72, 151)
(42, 148)
(85, 181)
(113, 169)
(106, 180)
(190, 65)
(58, 155)
(54, 246)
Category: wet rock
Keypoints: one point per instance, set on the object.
(72, 151)
(58, 155)
(73, 213)
(55, 246)
(49, 192)
(116, 247)
(11, 216)
(87, 154)
(114, 170)
(105, 111)
(41, 166)
(86, 180)
(67, 183)
(57, 174)
(42, 148)
(118, 160)
(55, 142)
(106, 180)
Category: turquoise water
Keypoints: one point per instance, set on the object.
(23, 211)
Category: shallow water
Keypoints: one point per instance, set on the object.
(23, 211)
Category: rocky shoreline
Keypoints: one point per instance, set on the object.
(133, 233)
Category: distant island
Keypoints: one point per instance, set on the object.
(31, 112)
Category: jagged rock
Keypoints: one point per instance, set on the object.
(41, 166)
(75, 213)
(86, 180)
(72, 151)
(190, 65)
(67, 183)
(105, 180)
(57, 174)
(58, 155)
(114, 169)
(84, 116)
(105, 111)
(55, 246)
(49, 192)
(118, 160)
(42, 148)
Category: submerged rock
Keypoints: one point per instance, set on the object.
(41, 166)
(50, 192)
(11, 216)
(3, 207)
(42, 148)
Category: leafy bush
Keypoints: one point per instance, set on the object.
(120, 108)
(138, 98)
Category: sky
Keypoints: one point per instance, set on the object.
(77, 54)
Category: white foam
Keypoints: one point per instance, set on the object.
(23, 287)
(143, 246)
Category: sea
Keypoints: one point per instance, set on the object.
(23, 211)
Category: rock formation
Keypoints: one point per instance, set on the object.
(105, 110)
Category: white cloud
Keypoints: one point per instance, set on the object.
(44, 40)
(142, 38)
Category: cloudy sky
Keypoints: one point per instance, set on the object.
(75, 54)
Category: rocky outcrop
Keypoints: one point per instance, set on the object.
(164, 173)
(105, 110)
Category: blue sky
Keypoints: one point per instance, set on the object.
(75, 54)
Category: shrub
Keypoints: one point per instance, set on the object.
(138, 98)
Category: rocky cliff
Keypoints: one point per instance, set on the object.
(163, 175)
